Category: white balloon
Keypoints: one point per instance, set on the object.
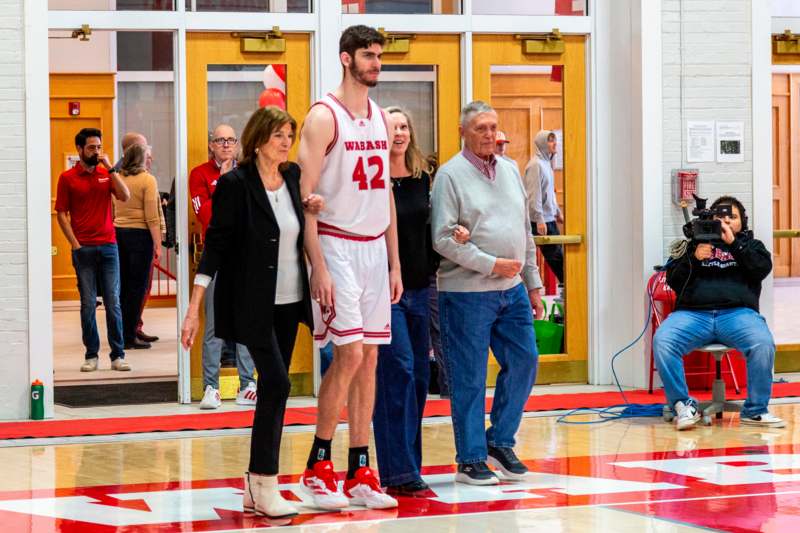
(272, 80)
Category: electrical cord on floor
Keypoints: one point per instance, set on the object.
(623, 410)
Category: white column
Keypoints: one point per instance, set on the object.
(626, 191)
(39, 242)
(326, 46)
(761, 215)
(181, 213)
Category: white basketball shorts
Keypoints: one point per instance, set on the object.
(361, 308)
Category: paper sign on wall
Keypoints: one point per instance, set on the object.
(700, 146)
(730, 142)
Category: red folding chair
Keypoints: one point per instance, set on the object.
(662, 302)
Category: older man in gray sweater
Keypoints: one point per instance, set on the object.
(487, 287)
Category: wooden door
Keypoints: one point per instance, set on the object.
(781, 171)
(527, 102)
(442, 52)
(95, 95)
(213, 56)
(493, 54)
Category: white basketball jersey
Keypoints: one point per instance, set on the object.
(355, 174)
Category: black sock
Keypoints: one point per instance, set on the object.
(320, 451)
(356, 458)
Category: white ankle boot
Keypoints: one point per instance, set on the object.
(262, 496)
(249, 506)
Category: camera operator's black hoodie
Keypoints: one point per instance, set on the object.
(730, 278)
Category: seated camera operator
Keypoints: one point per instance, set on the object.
(718, 287)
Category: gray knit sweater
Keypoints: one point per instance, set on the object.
(495, 212)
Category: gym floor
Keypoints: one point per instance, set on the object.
(631, 475)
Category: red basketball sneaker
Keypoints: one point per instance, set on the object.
(323, 486)
(365, 489)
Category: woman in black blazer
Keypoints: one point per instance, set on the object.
(254, 245)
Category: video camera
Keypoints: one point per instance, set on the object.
(704, 228)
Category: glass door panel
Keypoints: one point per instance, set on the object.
(545, 95)
(572, 8)
(426, 81)
(235, 91)
(427, 7)
(529, 104)
(225, 86)
(263, 6)
(412, 87)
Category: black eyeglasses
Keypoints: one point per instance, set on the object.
(222, 141)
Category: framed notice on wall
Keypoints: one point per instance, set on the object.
(730, 142)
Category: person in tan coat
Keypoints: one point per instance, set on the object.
(138, 228)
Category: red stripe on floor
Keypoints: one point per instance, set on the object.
(308, 415)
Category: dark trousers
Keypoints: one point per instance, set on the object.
(135, 261)
(148, 288)
(272, 363)
(553, 253)
(401, 388)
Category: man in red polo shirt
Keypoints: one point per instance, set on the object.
(224, 146)
(83, 206)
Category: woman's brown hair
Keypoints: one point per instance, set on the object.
(133, 160)
(262, 124)
(415, 161)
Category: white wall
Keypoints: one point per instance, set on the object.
(785, 8)
(715, 73)
(626, 222)
(14, 387)
(98, 54)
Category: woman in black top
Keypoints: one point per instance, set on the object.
(403, 366)
(254, 245)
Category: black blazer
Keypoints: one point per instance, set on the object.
(241, 248)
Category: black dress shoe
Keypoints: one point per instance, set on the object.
(142, 336)
(412, 488)
(505, 460)
(137, 345)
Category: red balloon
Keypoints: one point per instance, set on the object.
(272, 97)
(280, 71)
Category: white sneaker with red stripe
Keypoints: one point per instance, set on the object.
(323, 486)
(247, 396)
(211, 399)
(365, 489)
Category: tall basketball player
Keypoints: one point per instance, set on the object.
(344, 157)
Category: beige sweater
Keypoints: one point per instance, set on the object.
(142, 209)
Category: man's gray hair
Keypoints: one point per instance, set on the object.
(474, 108)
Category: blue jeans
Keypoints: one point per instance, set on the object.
(471, 323)
(401, 387)
(436, 341)
(740, 328)
(212, 350)
(99, 266)
(325, 358)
